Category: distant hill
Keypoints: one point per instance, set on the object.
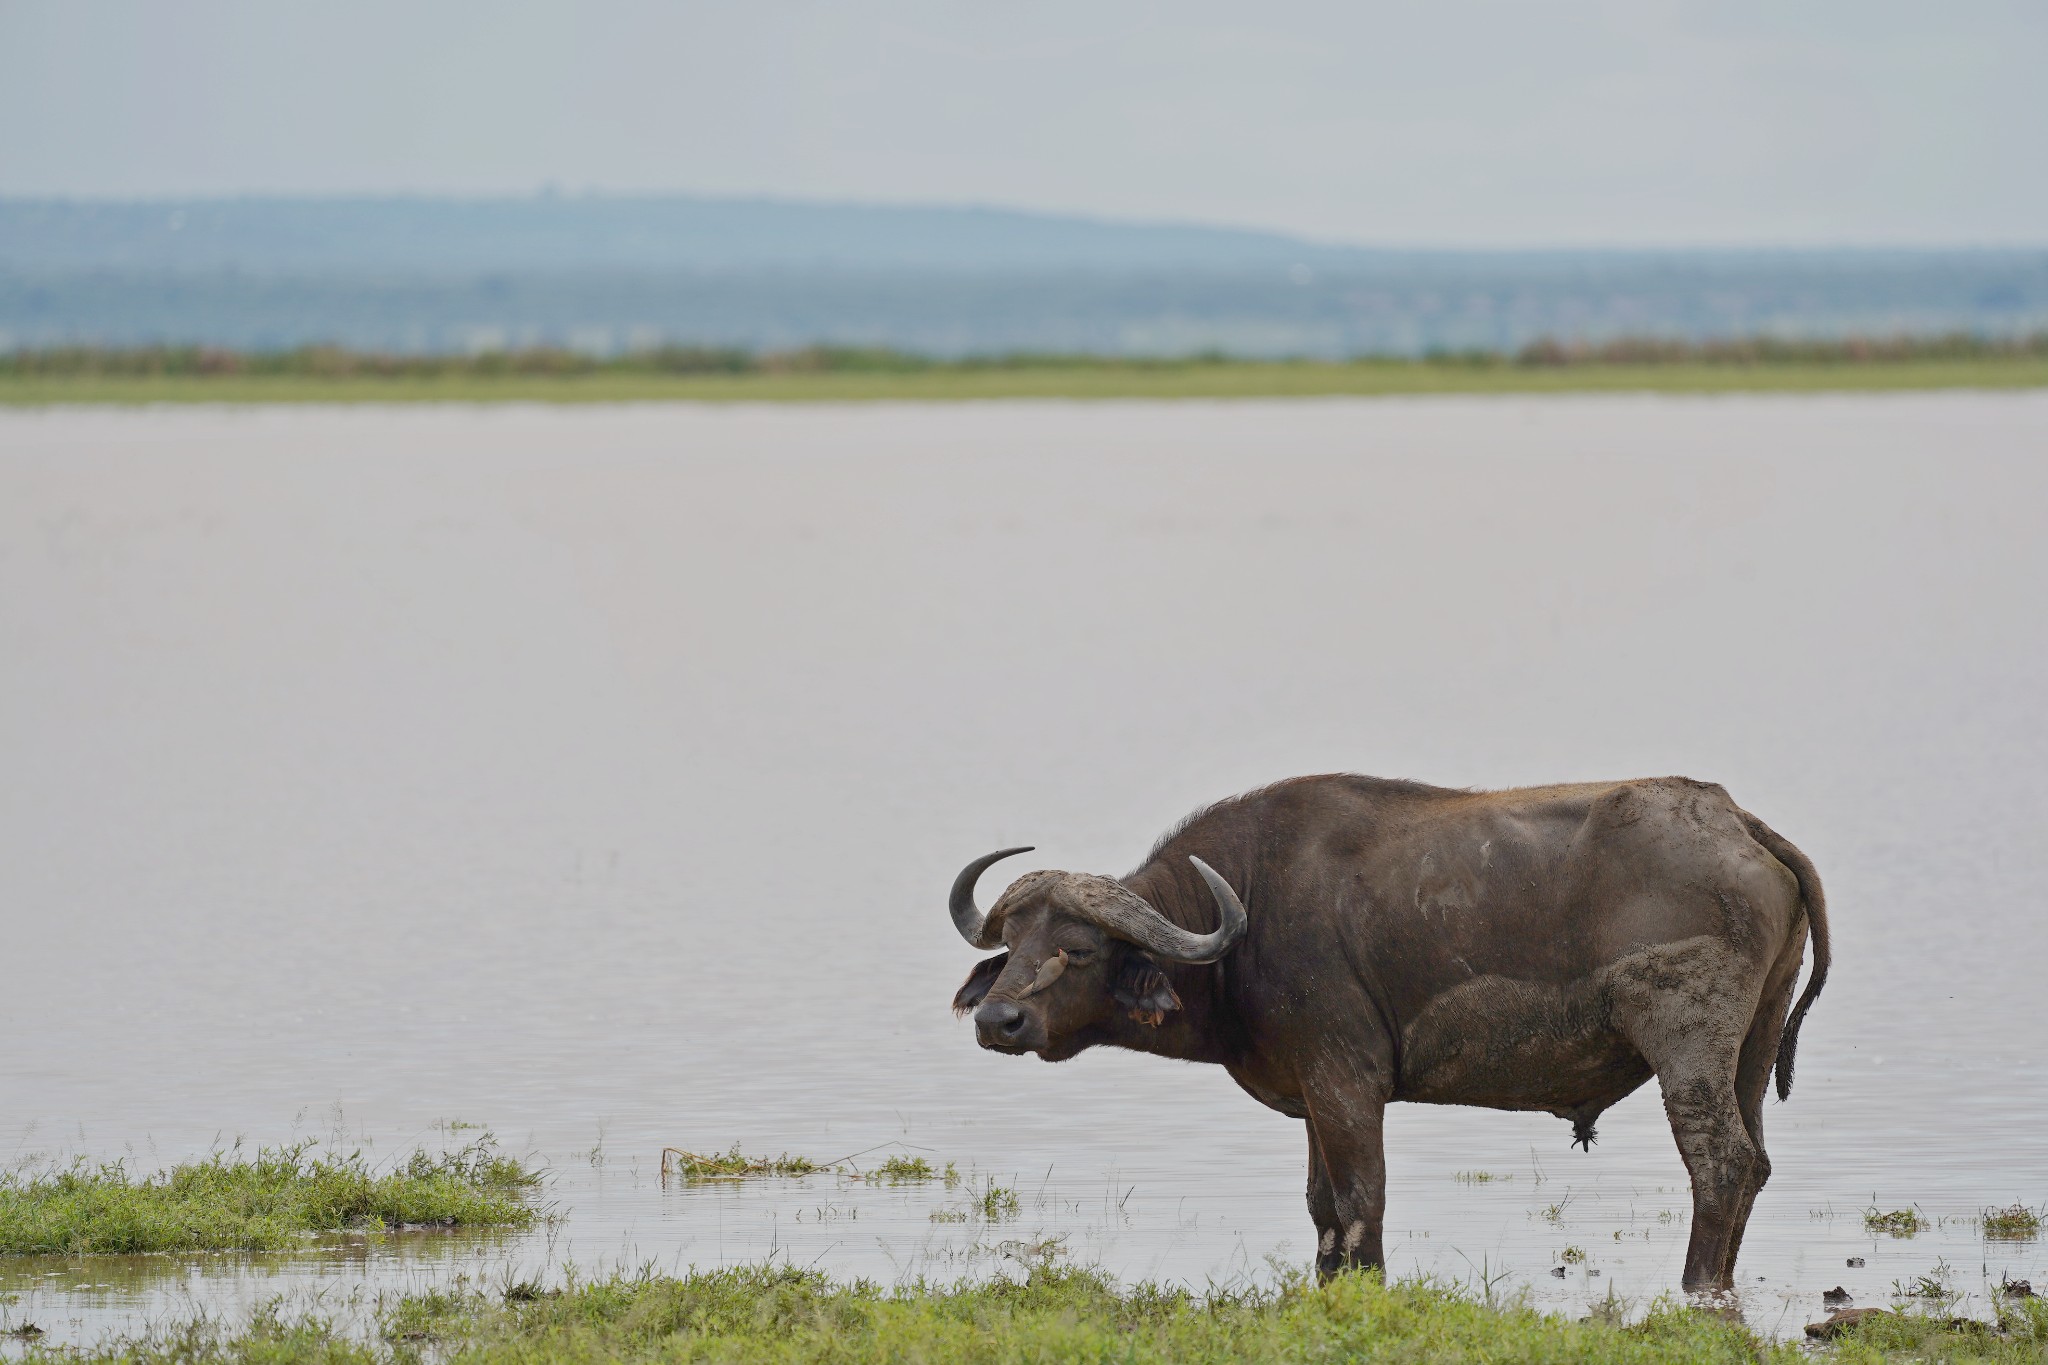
(583, 233)
(604, 273)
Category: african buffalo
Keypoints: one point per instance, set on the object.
(1549, 948)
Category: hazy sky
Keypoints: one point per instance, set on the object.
(1436, 122)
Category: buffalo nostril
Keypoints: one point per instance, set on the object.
(999, 1016)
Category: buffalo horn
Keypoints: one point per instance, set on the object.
(1127, 916)
(967, 916)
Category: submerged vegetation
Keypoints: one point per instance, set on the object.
(2014, 1223)
(326, 373)
(998, 1202)
(781, 1313)
(733, 1165)
(993, 1203)
(1897, 1223)
(232, 1202)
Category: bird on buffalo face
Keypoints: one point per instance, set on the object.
(1338, 943)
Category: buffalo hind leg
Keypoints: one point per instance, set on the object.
(1346, 1135)
(1753, 1083)
(1721, 1160)
(1692, 1037)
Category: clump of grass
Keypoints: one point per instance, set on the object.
(1897, 1223)
(999, 1202)
(994, 1204)
(785, 1314)
(2014, 1223)
(1573, 1256)
(1936, 1289)
(732, 1165)
(1932, 1285)
(1479, 1177)
(903, 1170)
(231, 1202)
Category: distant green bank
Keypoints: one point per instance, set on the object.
(827, 374)
(791, 1315)
(267, 1202)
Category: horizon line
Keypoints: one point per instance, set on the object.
(553, 195)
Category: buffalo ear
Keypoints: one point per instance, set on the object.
(978, 981)
(1143, 990)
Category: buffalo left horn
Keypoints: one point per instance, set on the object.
(967, 916)
(1125, 914)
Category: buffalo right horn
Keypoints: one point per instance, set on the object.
(967, 916)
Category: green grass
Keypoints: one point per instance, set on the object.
(2019, 1338)
(823, 374)
(230, 1202)
(1228, 380)
(784, 1314)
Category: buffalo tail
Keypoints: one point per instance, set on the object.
(1801, 867)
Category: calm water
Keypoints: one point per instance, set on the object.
(598, 775)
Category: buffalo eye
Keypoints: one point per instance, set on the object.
(978, 982)
(1143, 990)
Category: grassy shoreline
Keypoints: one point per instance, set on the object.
(781, 1313)
(1191, 380)
(828, 374)
(268, 1202)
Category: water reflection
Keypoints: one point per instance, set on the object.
(80, 1298)
(599, 775)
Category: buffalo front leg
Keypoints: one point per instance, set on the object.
(1351, 1205)
(1322, 1208)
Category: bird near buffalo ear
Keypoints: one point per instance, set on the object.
(978, 982)
(1143, 990)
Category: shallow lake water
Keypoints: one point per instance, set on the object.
(597, 775)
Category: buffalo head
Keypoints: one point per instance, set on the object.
(1082, 954)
